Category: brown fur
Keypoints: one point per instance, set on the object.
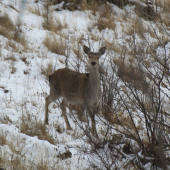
(71, 84)
(81, 89)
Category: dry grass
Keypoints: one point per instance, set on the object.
(120, 118)
(4, 32)
(5, 119)
(54, 2)
(32, 127)
(166, 21)
(20, 162)
(54, 24)
(17, 159)
(106, 19)
(138, 27)
(12, 45)
(132, 75)
(11, 57)
(146, 12)
(165, 5)
(58, 128)
(135, 26)
(20, 38)
(103, 23)
(8, 30)
(34, 10)
(6, 22)
(24, 59)
(11, 161)
(48, 70)
(113, 46)
(3, 140)
(54, 45)
(13, 69)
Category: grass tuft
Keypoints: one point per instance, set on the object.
(106, 19)
(35, 10)
(54, 45)
(54, 24)
(48, 70)
(6, 22)
(20, 38)
(32, 127)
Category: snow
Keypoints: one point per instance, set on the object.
(27, 92)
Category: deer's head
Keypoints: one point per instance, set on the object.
(94, 57)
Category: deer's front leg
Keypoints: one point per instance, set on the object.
(63, 108)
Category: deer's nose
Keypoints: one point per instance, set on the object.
(93, 63)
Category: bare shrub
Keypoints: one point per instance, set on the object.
(134, 110)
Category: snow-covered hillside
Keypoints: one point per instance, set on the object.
(37, 38)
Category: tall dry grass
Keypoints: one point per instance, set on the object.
(54, 45)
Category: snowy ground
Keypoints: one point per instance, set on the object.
(23, 87)
(26, 92)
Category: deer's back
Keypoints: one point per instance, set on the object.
(71, 85)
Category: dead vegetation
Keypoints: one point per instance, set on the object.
(54, 24)
(32, 127)
(9, 30)
(128, 107)
(11, 57)
(3, 140)
(6, 22)
(6, 27)
(17, 161)
(46, 71)
(54, 45)
(35, 10)
(20, 38)
(103, 23)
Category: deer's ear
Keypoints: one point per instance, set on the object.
(102, 50)
(86, 49)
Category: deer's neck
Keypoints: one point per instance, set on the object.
(93, 91)
(94, 78)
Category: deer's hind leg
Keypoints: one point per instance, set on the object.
(63, 108)
(49, 99)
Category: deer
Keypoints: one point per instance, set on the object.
(79, 89)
